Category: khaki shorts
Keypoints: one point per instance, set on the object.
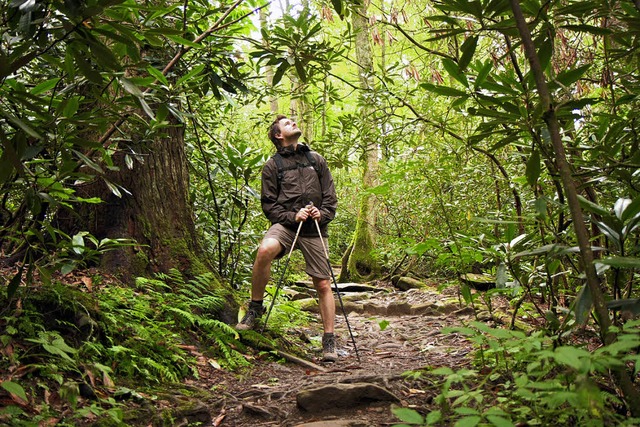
(311, 247)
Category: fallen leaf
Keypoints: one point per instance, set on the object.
(88, 282)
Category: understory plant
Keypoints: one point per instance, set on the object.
(518, 378)
(69, 350)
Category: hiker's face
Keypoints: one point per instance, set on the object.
(289, 130)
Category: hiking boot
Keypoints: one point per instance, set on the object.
(250, 319)
(329, 353)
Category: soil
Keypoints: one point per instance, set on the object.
(390, 342)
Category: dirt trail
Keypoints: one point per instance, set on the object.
(410, 340)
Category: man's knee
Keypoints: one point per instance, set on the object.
(322, 285)
(268, 250)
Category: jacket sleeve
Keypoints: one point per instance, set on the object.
(329, 198)
(274, 211)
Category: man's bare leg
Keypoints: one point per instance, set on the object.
(327, 303)
(267, 251)
(328, 313)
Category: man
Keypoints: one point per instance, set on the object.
(291, 179)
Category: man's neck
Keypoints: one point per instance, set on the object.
(293, 143)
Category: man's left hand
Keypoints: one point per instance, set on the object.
(315, 213)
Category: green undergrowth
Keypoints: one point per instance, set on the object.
(519, 379)
(71, 354)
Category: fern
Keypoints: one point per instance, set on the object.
(182, 314)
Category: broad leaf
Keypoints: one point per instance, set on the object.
(568, 77)
(620, 262)
(533, 168)
(582, 305)
(468, 48)
(14, 388)
(443, 90)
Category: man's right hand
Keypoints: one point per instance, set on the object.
(304, 213)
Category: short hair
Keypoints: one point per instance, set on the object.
(275, 128)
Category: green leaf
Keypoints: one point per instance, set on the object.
(78, 243)
(632, 305)
(19, 123)
(533, 168)
(380, 189)
(280, 72)
(300, 71)
(71, 107)
(468, 421)
(631, 210)
(408, 415)
(45, 86)
(158, 75)
(130, 87)
(499, 421)
(452, 68)
(482, 74)
(87, 161)
(583, 28)
(583, 304)
(15, 282)
(592, 207)
(443, 90)
(545, 52)
(191, 74)
(468, 48)
(337, 6)
(147, 109)
(466, 293)
(466, 411)
(570, 356)
(14, 388)
(568, 77)
(620, 262)
(182, 41)
(112, 187)
(433, 417)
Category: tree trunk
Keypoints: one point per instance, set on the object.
(153, 209)
(358, 263)
(273, 100)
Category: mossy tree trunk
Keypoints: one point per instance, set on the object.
(358, 263)
(152, 208)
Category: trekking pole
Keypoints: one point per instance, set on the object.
(286, 264)
(326, 253)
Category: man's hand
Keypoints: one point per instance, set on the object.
(309, 211)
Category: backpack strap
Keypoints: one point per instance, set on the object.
(281, 168)
(312, 162)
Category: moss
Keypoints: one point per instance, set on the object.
(361, 265)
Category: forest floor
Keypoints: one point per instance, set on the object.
(395, 332)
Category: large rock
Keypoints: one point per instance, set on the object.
(311, 305)
(342, 396)
(406, 283)
(355, 287)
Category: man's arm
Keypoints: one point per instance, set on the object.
(274, 211)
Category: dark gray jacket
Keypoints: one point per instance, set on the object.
(300, 185)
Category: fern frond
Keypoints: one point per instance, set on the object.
(182, 314)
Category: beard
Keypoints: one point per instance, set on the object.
(296, 132)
